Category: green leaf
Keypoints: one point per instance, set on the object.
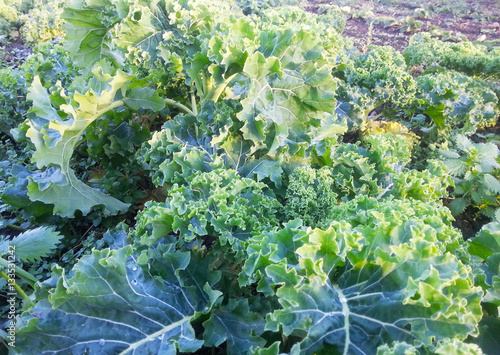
(238, 156)
(457, 347)
(463, 143)
(273, 349)
(491, 183)
(487, 241)
(274, 247)
(291, 100)
(146, 98)
(112, 305)
(142, 28)
(497, 215)
(88, 36)
(33, 244)
(456, 167)
(236, 325)
(449, 154)
(458, 205)
(393, 280)
(220, 204)
(70, 195)
(456, 103)
(488, 339)
(55, 139)
(398, 348)
(327, 249)
(369, 307)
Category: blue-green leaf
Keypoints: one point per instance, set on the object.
(112, 305)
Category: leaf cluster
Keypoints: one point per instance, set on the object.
(475, 169)
(465, 57)
(455, 102)
(377, 168)
(368, 81)
(217, 210)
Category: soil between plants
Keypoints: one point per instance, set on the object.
(478, 21)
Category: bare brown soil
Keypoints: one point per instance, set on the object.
(474, 20)
(15, 53)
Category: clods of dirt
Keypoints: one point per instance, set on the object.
(14, 53)
(394, 24)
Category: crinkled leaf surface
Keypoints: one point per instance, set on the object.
(290, 101)
(217, 204)
(486, 245)
(369, 307)
(112, 305)
(237, 325)
(382, 275)
(87, 31)
(55, 139)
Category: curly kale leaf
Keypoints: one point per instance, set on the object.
(384, 274)
(310, 195)
(188, 143)
(369, 81)
(456, 102)
(215, 207)
(475, 170)
(466, 57)
(288, 111)
(203, 142)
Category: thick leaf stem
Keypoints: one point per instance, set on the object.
(347, 314)
(16, 286)
(205, 83)
(193, 102)
(180, 106)
(26, 276)
(65, 167)
(161, 332)
(199, 87)
(108, 108)
(220, 89)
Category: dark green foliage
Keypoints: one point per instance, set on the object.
(475, 169)
(466, 57)
(107, 157)
(13, 105)
(369, 81)
(456, 102)
(258, 6)
(51, 63)
(310, 195)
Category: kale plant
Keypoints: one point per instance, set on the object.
(465, 57)
(455, 102)
(475, 169)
